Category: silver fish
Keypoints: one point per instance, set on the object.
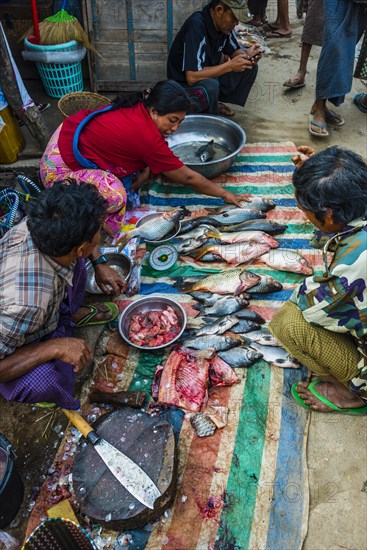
(206, 152)
(236, 253)
(241, 237)
(273, 228)
(187, 245)
(263, 204)
(237, 215)
(243, 326)
(263, 337)
(285, 259)
(203, 425)
(225, 305)
(210, 299)
(240, 357)
(195, 233)
(216, 341)
(134, 282)
(250, 315)
(267, 284)
(219, 326)
(276, 356)
(229, 281)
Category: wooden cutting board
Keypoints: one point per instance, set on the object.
(148, 441)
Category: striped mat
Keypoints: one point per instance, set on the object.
(245, 487)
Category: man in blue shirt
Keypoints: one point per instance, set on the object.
(207, 60)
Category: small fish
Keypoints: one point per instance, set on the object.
(225, 305)
(266, 226)
(263, 337)
(216, 341)
(195, 233)
(187, 245)
(236, 254)
(210, 299)
(243, 326)
(285, 259)
(202, 424)
(276, 356)
(266, 285)
(134, 282)
(241, 237)
(250, 315)
(240, 357)
(219, 326)
(230, 281)
(206, 152)
(154, 229)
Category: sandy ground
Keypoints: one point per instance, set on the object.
(337, 444)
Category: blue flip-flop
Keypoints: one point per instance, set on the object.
(319, 125)
(333, 119)
(357, 102)
(359, 411)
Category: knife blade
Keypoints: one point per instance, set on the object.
(125, 470)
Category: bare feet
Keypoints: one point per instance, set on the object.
(334, 391)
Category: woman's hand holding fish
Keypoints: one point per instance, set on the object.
(105, 275)
(304, 153)
(233, 198)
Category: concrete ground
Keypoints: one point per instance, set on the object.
(336, 444)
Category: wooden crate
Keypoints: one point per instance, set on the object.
(132, 39)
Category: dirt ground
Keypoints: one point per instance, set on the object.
(336, 444)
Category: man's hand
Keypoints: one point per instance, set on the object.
(73, 351)
(233, 198)
(240, 63)
(254, 53)
(105, 275)
(304, 153)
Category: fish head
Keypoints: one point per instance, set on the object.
(306, 267)
(254, 355)
(247, 280)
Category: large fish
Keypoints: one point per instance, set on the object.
(230, 281)
(209, 299)
(237, 215)
(240, 357)
(285, 259)
(240, 237)
(266, 285)
(243, 326)
(216, 341)
(273, 228)
(225, 305)
(250, 315)
(219, 326)
(195, 233)
(276, 356)
(263, 337)
(262, 204)
(187, 245)
(154, 229)
(236, 254)
(206, 152)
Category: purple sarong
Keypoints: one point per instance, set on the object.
(52, 381)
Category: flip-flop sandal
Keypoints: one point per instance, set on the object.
(295, 83)
(45, 405)
(333, 119)
(87, 320)
(277, 34)
(319, 125)
(359, 411)
(224, 110)
(357, 102)
(269, 27)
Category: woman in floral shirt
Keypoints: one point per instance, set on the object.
(324, 324)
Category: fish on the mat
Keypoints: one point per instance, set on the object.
(250, 315)
(217, 342)
(241, 237)
(243, 326)
(285, 259)
(263, 204)
(263, 337)
(237, 215)
(236, 254)
(266, 285)
(219, 326)
(225, 305)
(202, 424)
(240, 357)
(276, 356)
(195, 233)
(209, 299)
(187, 245)
(268, 226)
(154, 229)
(220, 373)
(230, 281)
(206, 151)
(134, 282)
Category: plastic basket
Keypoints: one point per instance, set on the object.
(58, 79)
(76, 101)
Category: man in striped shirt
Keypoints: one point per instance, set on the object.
(196, 58)
(42, 283)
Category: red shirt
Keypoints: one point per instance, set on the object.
(123, 141)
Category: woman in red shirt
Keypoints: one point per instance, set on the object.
(118, 148)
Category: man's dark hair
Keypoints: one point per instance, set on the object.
(334, 179)
(214, 3)
(64, 216)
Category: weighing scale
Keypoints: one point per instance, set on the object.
(163, 257)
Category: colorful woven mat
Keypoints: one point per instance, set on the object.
(245, 487)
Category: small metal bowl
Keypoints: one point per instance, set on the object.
(169, 235)
(119, 262)
(150, 303)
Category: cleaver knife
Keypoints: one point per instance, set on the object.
(125, 470)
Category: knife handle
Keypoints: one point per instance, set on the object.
(82, 425)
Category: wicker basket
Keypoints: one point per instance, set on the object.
(71, 103)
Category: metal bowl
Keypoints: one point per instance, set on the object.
(169, 235)
(196, 129)
(150, 303)
(119, 262)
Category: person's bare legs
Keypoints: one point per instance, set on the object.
(300, 76)
(331, 388)
(282, 24)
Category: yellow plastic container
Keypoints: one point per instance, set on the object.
(11, 138)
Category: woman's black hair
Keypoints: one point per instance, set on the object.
(167, 96)
(333, 180)
(64, 216)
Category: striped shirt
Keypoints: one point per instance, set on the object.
(32, 287)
